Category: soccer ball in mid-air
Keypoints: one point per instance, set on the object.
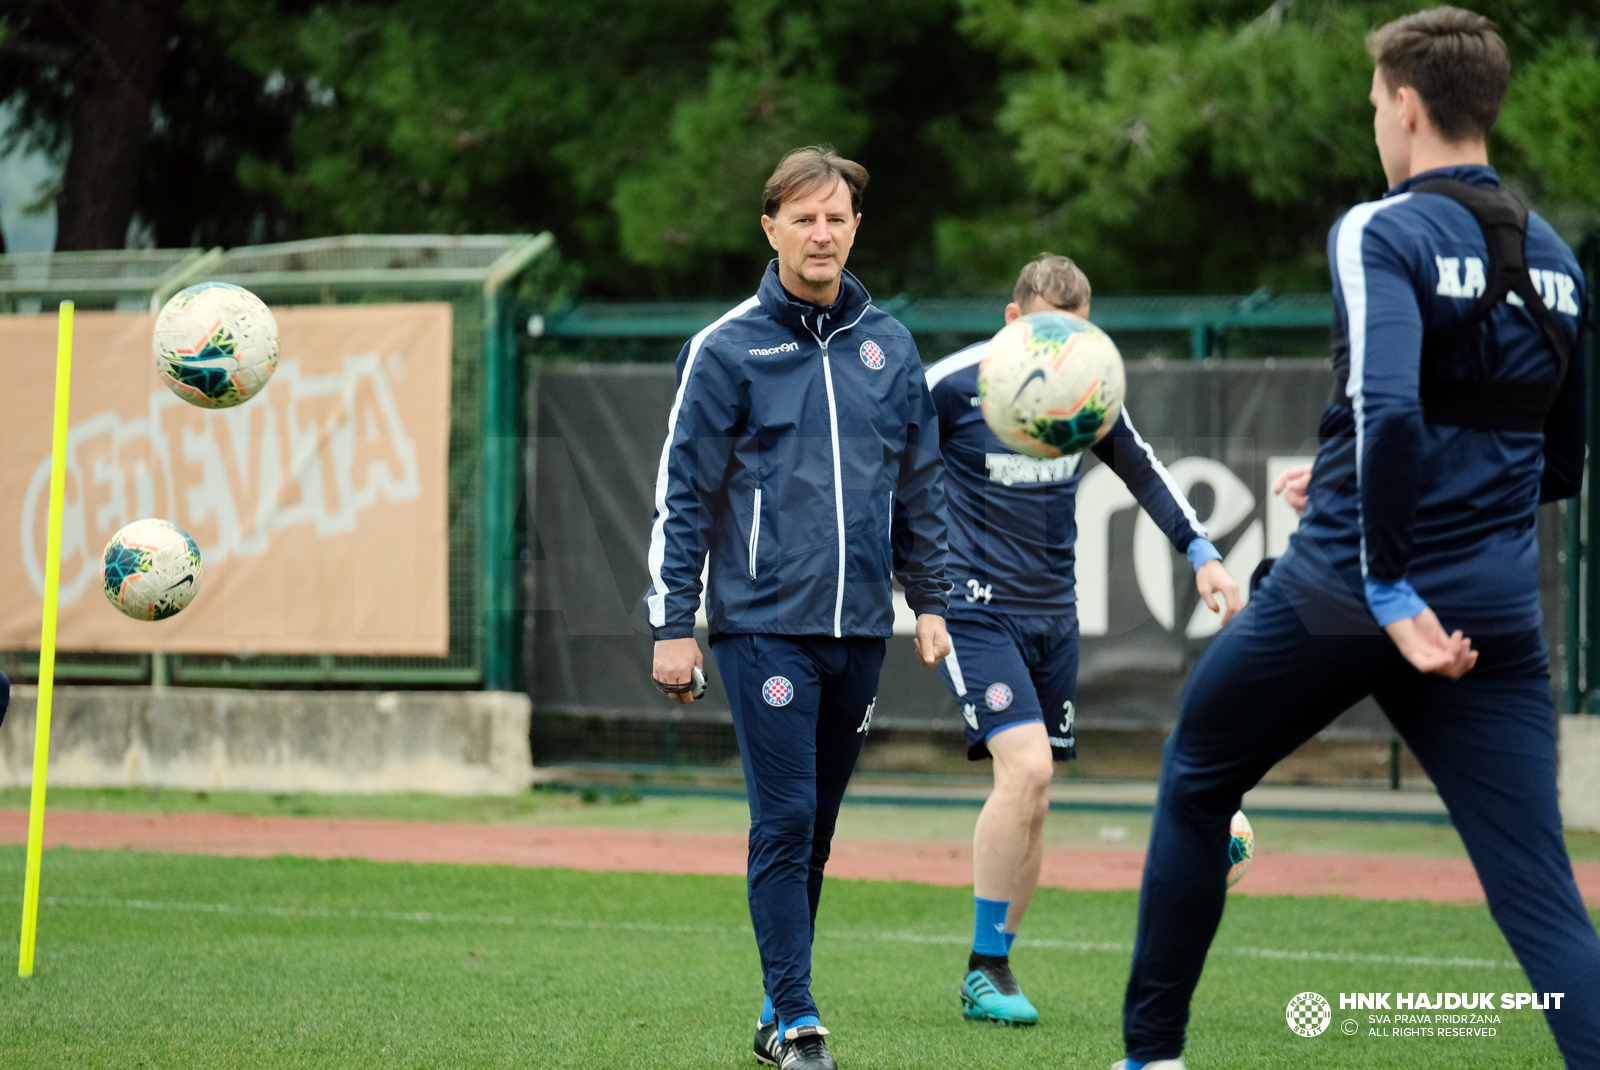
(1241, 848)
(1051, 384)
(215, 344)
(151, 569)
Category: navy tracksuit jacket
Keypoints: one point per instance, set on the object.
(802, 456)
(1402, 514)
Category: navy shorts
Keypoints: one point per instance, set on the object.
(1006, 671)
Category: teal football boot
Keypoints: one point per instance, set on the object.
(990, 994)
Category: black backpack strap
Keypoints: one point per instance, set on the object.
(1479, 402)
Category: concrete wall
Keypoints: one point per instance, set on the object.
(1579, 779)
(217, 739)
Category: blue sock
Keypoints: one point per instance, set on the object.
(989, 926)
(804, 1019)
(767, 1013)
(1010, 939)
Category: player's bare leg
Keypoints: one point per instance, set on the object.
(1007, 844)
(1007, 849)
(1026, 878)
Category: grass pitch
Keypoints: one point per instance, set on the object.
(178, 961)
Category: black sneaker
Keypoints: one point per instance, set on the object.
(769, 1048)
(804, 1049)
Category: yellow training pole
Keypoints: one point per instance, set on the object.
(47, 642)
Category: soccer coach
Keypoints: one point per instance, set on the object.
(802, 455)
(1458, 408)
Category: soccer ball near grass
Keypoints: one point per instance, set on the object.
(1051, 384)
(215, 345)
(1241, 848)
(151, 569)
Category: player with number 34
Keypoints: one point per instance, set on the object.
(1013, 624)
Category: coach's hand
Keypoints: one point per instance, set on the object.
(1423, 642)
(933, 642)
(1211, 579)
(1292, 484)
(674, 662)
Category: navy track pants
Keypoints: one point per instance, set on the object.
(802, 705)
(1488, 741)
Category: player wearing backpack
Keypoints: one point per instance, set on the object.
(1413, 576)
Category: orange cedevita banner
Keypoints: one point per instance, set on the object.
(318, 505)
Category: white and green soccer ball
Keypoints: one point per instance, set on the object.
(1241, 848)
(1051, 384)
(151, 569)
(215, 345)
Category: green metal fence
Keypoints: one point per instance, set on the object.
(483, 277)
(1257, 324)
(1194, 326)
(123, 280)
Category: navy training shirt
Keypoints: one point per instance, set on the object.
(1012, 526)
(1402, 513)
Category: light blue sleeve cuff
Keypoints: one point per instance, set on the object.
(1390, 602)
(1200, 551)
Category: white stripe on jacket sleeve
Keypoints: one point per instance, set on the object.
(1166, 478)
(957, 361)
(656, 602)
(1353, 288)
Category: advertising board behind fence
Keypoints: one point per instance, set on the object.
(318, 506)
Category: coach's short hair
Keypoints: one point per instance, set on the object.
(1454, 60)
(806, 170)
(1056, 279)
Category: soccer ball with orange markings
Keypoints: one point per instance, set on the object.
(150, 569)
(215, 345)
(1051, 384)
(1241, 849)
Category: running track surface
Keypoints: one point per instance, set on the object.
(928, 862)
